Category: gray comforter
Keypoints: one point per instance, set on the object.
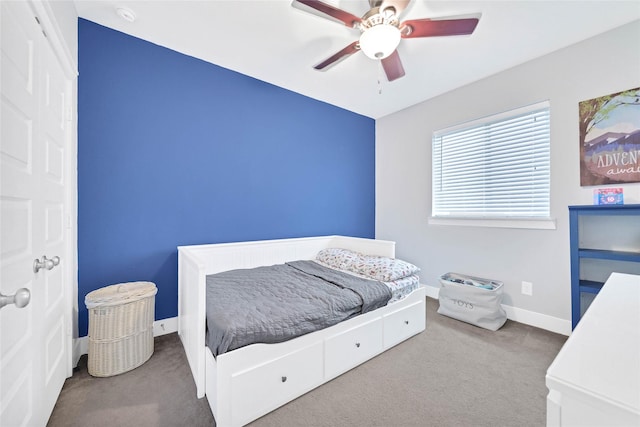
(276, 303)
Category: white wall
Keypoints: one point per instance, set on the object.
(67, 21)
(599, 66)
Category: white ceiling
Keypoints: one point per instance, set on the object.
(276, 43)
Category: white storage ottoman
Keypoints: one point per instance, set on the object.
(120, 327)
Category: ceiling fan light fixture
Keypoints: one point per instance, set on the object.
(380, 41)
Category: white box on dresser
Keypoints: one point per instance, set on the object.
(595, 378)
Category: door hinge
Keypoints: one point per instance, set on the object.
(40, 25)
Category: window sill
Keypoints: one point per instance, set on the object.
(536, 224)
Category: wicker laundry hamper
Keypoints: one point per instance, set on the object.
(120, 327)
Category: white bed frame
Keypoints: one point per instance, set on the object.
(244, 384)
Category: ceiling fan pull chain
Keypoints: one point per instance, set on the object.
(380, 73)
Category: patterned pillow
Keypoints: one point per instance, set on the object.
(383, 268)
(339, 258)
(375, 267)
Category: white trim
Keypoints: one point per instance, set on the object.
(531, 318)
(539, 320)
(165, 326)
(432, 291)
(80, 347)
(494, 117)
(538, 224)
(54, 35)
(160, 327)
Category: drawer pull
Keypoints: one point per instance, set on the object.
(406, 322)
(284, 379)
(358, 344)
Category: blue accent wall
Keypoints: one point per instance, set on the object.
(176, 151)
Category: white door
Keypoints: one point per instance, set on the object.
(34, 345)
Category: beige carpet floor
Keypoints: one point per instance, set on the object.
(452, 374)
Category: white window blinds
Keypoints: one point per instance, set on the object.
(497, 167)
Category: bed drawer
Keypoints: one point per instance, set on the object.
(350, 348)
(259, 390)
(404, 323)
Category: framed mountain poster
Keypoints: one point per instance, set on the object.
(610, 139)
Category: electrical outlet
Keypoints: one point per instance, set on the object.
(527, 288)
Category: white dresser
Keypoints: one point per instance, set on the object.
(595, 378)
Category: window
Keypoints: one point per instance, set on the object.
(494, 168)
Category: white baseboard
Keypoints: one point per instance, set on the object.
(432, 291)
(542, 321)
(77, 350)
(160, 327)
(165, 326)
(81, 345)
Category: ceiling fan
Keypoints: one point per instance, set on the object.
(381, 31)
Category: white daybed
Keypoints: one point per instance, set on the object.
(246, 383)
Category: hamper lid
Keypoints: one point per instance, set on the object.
(119, 294)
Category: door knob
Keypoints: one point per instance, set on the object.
(21, 298)
(45, 263)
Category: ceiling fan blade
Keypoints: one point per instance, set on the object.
(325, 10)
(393, 66)
(398, 5)
(437, 27)
(339, 56)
